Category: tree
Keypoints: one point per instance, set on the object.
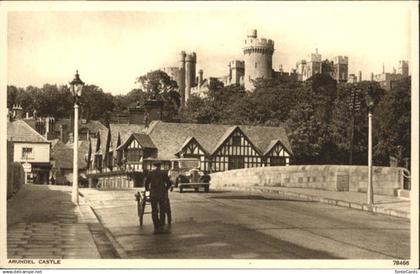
(310, 121)
(95, 104)
(392, 124)
(159, 86)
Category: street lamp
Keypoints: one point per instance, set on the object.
(369, 104)
(76, 89)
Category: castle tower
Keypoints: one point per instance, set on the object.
(181, 77)
(258, 58)
(236, 71)
(341, 68)
(200, 77)
(314, 65)
(190, 66)
(403, 68)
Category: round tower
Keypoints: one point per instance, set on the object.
(190, 63)
(258, 57)
(181, 77)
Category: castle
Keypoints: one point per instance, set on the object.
(386, 79)
(258, 63)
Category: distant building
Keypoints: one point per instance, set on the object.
(307, 69)
(341, 68)
(387, 79)
(31, 147)
(403, 68)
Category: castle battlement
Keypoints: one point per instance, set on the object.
(237, 64)
(191, 57)
(254, 44)
(341, 60)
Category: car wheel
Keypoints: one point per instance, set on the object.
(180, 189)
(196, 189)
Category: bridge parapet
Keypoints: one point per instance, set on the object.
(386, 180)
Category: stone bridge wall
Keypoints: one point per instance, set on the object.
(386, 180)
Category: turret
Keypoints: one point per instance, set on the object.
(181, 83)
(258, 57)
(190, 64)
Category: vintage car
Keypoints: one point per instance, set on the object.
(185, 173)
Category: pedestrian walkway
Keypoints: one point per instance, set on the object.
(387, 205)
(42, 222)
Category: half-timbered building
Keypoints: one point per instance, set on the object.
(218, 147)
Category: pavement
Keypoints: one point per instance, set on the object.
(383, 204)
(226, 224)
(42, 222)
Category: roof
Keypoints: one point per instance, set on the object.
(125, 130)
(92, 125)
(169, 137)
(261, 137)
(20, 131)
(63, 155)
(143, 139)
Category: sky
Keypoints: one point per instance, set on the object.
(111, 47)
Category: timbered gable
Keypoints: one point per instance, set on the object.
(236, 151)
(192, 149)
(135, 149)
(277, 155)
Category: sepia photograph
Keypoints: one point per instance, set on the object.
(209, 134)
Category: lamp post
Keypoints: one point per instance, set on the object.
(369, 104)
(76, 89)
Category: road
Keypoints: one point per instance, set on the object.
(234, 225)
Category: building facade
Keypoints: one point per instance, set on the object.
(218, 147)
(30, 147)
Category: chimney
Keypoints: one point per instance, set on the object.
(371, 76)
(200, 77)
(360, 76)
(17, 111)
(383, 68)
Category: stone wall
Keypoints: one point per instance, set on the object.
(386, 180)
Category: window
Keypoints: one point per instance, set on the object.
(134, 155)
(236, 140)
(27, 153)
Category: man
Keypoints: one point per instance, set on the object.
(156, 182)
